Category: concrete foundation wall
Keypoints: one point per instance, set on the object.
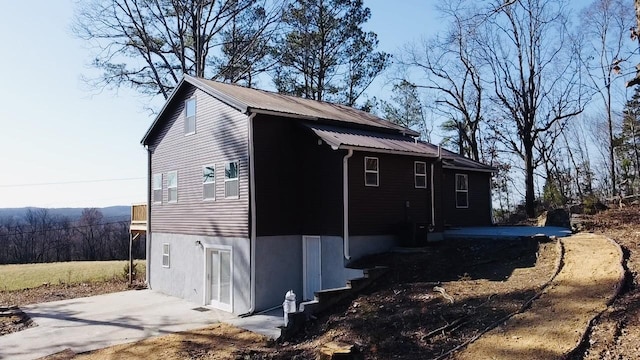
(372, 244)
(279, 264)
(278, 269)
(184, 277)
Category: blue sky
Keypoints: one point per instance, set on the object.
(64, 145)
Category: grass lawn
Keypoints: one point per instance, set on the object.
(26, 276)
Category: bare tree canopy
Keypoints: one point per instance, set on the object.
(149, 44)
(604, 47)
(537, 81)
(452, 70)
(325, 54)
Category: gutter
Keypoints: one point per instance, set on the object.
(148, 234)
(345, 202)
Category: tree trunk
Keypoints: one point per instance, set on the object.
(529, 201)
(612, 169)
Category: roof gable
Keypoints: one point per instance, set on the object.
(248, 100)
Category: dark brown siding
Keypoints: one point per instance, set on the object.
(221, 136)
(479, 211)
(382, 209)
(298, 182)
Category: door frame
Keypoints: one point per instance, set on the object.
(305, 260)
(208, 250)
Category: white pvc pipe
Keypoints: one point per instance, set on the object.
(345, 202)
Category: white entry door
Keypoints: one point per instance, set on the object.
(220, 278)
(312, 266)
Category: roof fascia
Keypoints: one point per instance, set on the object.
(462, 168)
(164, 107)
(386, 151)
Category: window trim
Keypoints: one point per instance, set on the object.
(154, 188)
(172, 187)
(416, 175)
(376, 171)
(166, 254)
(186, 117)
(205, 182)
(466, 192)
(237, 179)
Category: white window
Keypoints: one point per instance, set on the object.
(462, 191)
(172, 186)
(371, 171)
(420, 174)
(165, 255)
(231, 180)
(209, 182)
(157, 188)
(190, 116)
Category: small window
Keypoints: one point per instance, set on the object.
(157, 188)
(462, 191)
(371, 171)
(172, 186)
(209, 182)
(165, 255)
(231, 180)
(190, 116)
(420, 174)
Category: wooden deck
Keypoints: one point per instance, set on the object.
(138, 218)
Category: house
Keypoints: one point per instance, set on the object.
(253, 193)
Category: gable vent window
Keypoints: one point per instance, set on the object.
(190, 116)
(371, 173)
(172, 186)
(157, 188)
(420, 174)
(462, 191)
(231, 181)
(209, 182)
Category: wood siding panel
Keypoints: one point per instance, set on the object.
(479, 211)
(382, 210)
(221, 136)
(298, 182)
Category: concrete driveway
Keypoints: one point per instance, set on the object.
(96, 322)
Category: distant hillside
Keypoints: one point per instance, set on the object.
(110, 213)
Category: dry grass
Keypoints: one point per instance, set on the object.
(27, 276)
(219, 341)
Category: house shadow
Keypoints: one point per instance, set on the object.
(451, 260)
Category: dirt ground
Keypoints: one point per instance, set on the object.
(402, 317)
(616, 334)
(590, 277)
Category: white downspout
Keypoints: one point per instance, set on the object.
(345, 202)
(148, 234)
(252, 210)
(433, 212)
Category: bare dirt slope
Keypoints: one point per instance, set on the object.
(616, 333)
(553, 327)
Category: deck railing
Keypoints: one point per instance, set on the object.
(138, 216)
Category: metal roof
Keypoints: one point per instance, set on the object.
(260, 101)
(347, 138)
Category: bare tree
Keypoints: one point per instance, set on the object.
(149, 44)
(91, 230)
(536, 78)
(453, 72)
(604, 47)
